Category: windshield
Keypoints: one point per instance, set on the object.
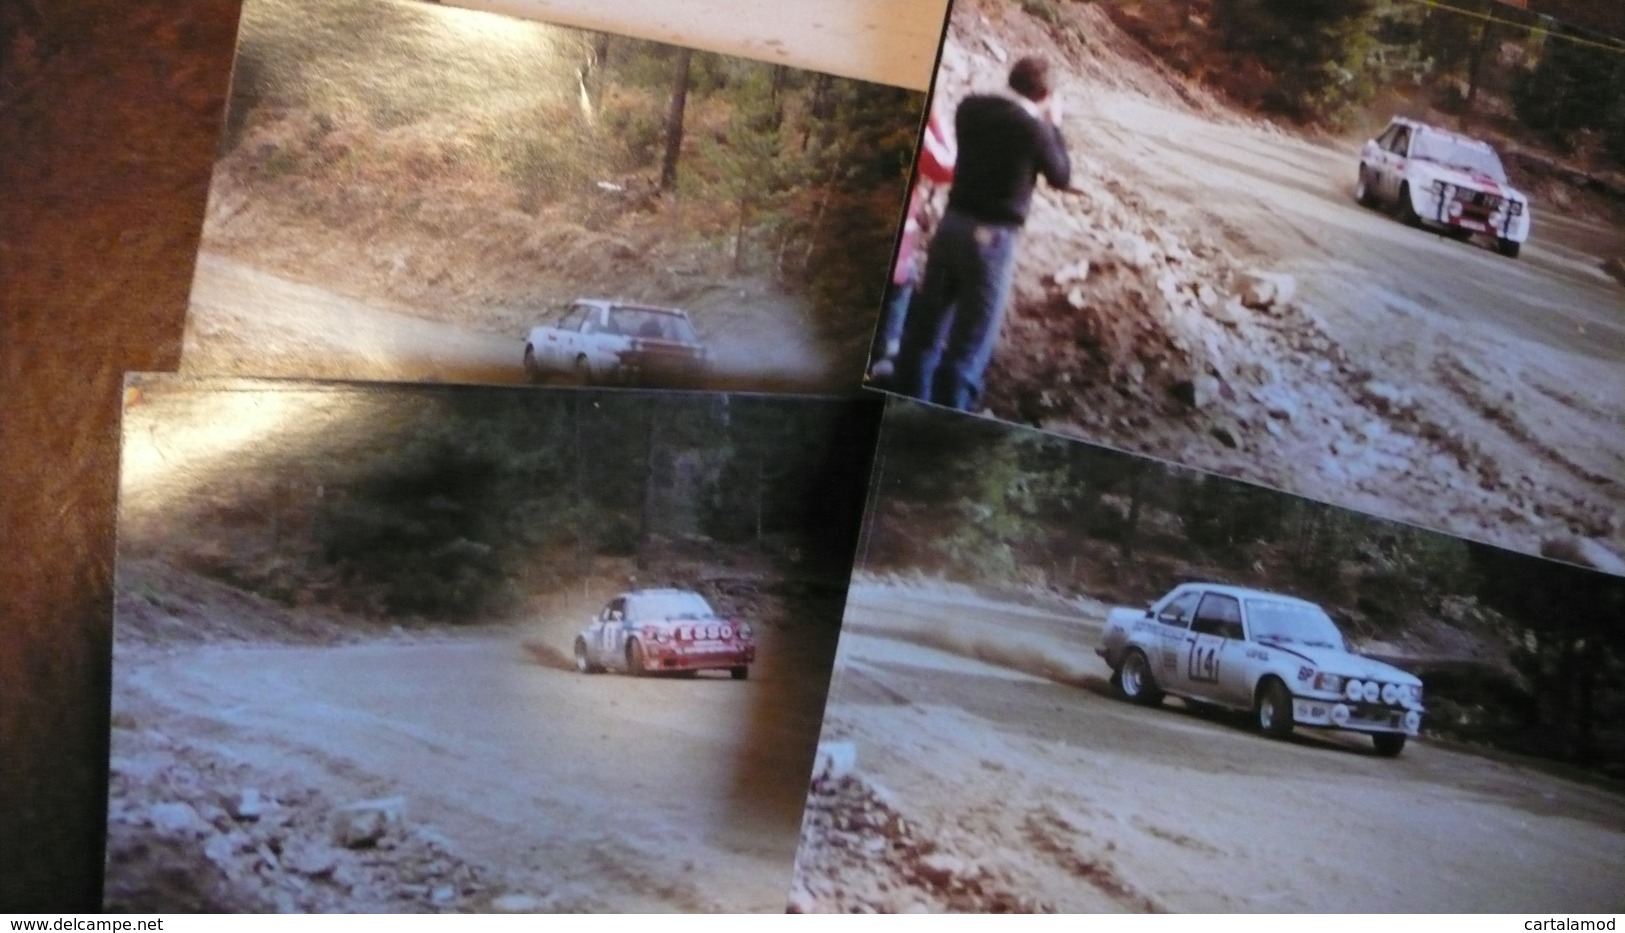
(1455, 153)
(651, 324)
(1285, 623)
(669, 606)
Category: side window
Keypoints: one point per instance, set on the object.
(1386, 140)
(1178, 612)
(1218, 615)
(572, 318)
(1402, 141)
(616, 610)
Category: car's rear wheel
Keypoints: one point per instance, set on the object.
(582, 372)
(1389, 744)
(583, 661)
(634, 659)
(1364, 192)
(1273, 709)
(533, 370)
(742, 672)
(1508, 248)
(1135, 682)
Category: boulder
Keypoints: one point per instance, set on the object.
(177, 818)
(1075, 272)
(834, 761)
(245, 805)
(367, 822)
(1262, 291)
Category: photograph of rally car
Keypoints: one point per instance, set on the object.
(405, 191)
(1219, 271)
(1442, 180)
(1074, 679)
(350, 645)
(1278, 657)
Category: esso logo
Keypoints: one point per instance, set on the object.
(710, 631)
(727, 631)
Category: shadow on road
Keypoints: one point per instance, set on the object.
(548, 656)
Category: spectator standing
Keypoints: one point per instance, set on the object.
(934, 166)
(1005, 142)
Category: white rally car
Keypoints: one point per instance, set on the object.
(1279, 657)
(1434, 178)
(597, 341)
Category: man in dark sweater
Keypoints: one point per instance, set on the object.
(1005, 142)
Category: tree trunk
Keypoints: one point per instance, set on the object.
(1475, 72)
(674, 121)
(646, 519)
(739, 232)
(780, 79)
(1125, 545)
(760, 470)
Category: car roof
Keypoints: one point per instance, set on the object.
(1452, 134)
(660, 591)
(631, 305)
(1244, 592)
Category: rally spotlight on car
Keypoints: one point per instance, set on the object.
(644, 632)
(1278, 657)
(1430, 177)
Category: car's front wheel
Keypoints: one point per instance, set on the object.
(533, 369)
(1273, 709)
(741, 672)
(1508, 248)
(1135, 682)
(583, 661)
(634, 659)
(1389, 744)
(1405, 210)
(583, 372)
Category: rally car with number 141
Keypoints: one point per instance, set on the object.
(1280, 658)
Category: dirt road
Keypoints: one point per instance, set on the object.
(1476, 393)
(245, 320)
(989, 733)
(1404, 374)
(578, 792)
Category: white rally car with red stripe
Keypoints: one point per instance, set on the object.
(1431, 177)
(1278, 657)
(650, 631)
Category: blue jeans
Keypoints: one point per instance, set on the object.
(892, 316)
(953, 323)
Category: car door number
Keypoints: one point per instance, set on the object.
(1202, 664)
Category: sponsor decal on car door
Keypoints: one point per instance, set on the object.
(1216, 626)
(612, 634)
(1175, 620)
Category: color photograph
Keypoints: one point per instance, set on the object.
(1368, 252)
(385, 649)
(1072, 679)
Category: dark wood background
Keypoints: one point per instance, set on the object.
(109, 114)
